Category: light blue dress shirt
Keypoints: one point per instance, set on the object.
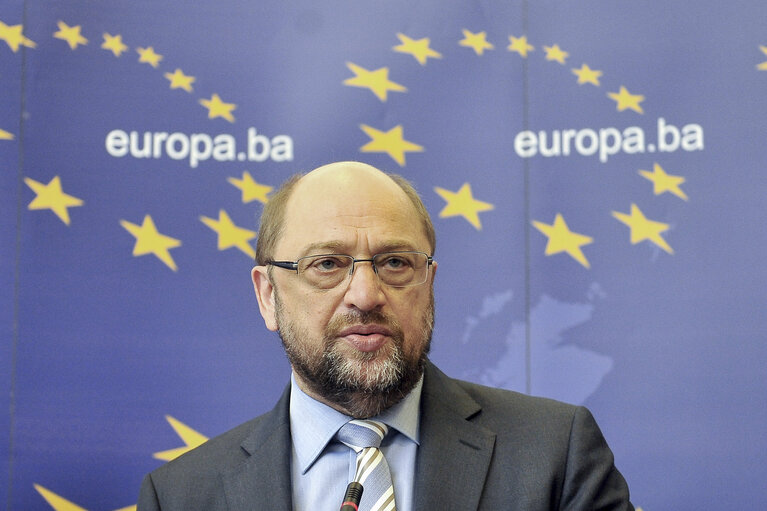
(322, 468)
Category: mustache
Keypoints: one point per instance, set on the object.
(347, 319)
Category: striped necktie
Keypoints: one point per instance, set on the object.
(372, 472)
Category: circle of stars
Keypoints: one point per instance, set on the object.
(560, 238)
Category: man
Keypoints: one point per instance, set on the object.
(345, 275)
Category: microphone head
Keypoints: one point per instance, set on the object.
(352, 497)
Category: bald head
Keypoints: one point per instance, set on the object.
(343, 189)
(346, 177)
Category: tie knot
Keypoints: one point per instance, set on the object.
(359, 434)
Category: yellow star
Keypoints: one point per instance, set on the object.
(229, 235)
(57, 502)
(14, 38)
(418, 48)
(644, 229)
(562, 239)
(760, 67)
(217, 108)
(178, 80)
(626, 100)
(190, 437)
(556, 53)
(587, 75)
(114, 43)
(6, 135)
(478, 42)
(389, 142)
(464, 204)
(377, 81)
(52, 197)
(250, 189)
(149, 241)
(148, 56)
(663, 182)
(520, 45)
(70, 34)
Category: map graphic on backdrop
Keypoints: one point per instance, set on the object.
(597, 205)
(581, 369)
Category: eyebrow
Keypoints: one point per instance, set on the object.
(322, 247)
(339, 247)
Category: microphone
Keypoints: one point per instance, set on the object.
(352, 497)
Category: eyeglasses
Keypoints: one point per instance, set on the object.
(326, 271)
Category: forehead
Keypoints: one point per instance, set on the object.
(353, 211)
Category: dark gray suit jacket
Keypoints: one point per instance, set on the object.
(481, 448)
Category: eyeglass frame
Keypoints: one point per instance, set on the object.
(293, 265)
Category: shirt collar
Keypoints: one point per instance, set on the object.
(313, 424)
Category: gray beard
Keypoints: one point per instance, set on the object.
(367, 384)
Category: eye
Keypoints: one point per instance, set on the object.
(327, 264)
(395, 262)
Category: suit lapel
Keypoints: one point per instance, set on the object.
(454, 454)
(263, 480)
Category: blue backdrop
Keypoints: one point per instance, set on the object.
(595, 171)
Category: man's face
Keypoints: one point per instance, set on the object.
(359, 347)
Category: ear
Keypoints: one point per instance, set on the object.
(265, 296)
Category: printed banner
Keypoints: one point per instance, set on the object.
(594, 171)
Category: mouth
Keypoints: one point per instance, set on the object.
(366, 338)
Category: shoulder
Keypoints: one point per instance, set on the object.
(538, 442)
(489, 404)
(515, 419)
(219, 452)
(495, 401)
(197, 475)
(192, 481)
(530, 419)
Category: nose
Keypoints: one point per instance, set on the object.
(364, 291)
